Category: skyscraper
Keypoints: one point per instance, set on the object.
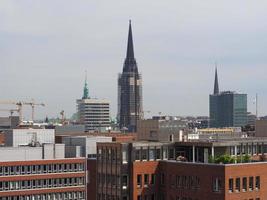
(129, 90)
(227, 109)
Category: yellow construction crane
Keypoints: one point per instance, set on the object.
(33, 104)
(19, 105)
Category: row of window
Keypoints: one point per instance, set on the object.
(42, 183)
(50, 196)
(190, 182)
(154, 154)
(248, 184)
(40, 169)
(145, 179)
(250, 149)
(109, 179)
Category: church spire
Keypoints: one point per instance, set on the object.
(85, 88)
(130, 64)
(216, 83)
(130, 48)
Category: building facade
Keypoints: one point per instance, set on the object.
(179, 171)
(130, 108)
(227, 109)
(43, 179)
(94, 114)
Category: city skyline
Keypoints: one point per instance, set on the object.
(52, 50)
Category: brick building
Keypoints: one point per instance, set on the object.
(180, 171)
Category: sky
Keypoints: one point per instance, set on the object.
(46, 47)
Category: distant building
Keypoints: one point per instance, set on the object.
(9, 122)
(29, 136)
(161, 130)
(94, 114)
(130, 108)
(261, 128)
(227, 109)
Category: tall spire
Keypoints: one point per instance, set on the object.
(130, 48)
(216, 83)
(85, 88)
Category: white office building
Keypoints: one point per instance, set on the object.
(94, 114)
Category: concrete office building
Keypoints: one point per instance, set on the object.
(20, 137)
(227, 109)
(162, 130)
(40, 173)
(9, 122)
(84, 146)
(94, 114)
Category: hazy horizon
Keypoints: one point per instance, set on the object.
(46, 46)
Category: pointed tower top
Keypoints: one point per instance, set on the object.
(130, 48)
(216, 82)
(85, 88)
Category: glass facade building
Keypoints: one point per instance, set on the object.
(228, 109)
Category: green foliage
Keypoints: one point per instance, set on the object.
(227, 159)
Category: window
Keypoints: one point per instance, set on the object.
(171, 153)
(216, 185)
(237, 184)
(124, 156)
(137, 154)
(157, 153)
(139, 180)
(151, 154)
(153, 179)
(146, 179)
(124, 181)
(139, 197)
(257, 183)
(144, 154)
(244, 184)
(251, 184)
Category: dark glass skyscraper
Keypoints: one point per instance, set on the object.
(227, 109)
(130, 108)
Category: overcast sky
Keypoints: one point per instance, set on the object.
(46, 46)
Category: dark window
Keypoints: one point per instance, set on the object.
(137, 154)
(124, 180)
(231, 185)
(146, 179)
(157, 153)
(257, 183)
(153, 179)
(139, 180)
(237, 184)
(244, 184)
(251, 184)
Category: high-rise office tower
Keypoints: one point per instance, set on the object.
(227, 109)
(93, 113)
(129, 90)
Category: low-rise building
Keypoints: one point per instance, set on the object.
(199, 170)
